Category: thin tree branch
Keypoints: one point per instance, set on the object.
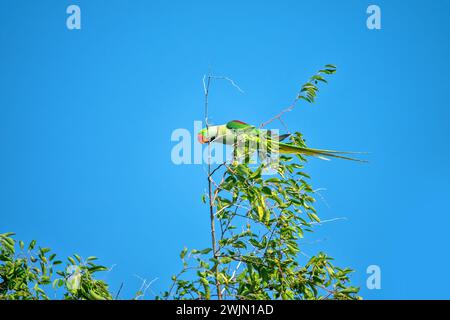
(118, 292)
(233, 83)
(206, 86)
(210, 192)
(327, 221)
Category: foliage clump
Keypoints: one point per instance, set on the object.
(26, 273)
(261, 220)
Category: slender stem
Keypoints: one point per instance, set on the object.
(210, 193)
(118, 292)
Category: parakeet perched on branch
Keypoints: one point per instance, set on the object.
(236, 130)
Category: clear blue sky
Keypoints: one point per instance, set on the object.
(86, 118)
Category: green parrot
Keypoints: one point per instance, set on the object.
(228, 134)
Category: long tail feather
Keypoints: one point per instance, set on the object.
(288, 148)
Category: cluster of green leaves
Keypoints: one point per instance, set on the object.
(309, 90)
(27, 273)
(261, 220)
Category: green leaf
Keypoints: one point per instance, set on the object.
(266, 190)
(205, 251)
(260, 211)
(350, 290)
(225, 260)
(32, 245)
(183, 253)
(7, 234)
(97, 269)
(44, 250)
(314, 216)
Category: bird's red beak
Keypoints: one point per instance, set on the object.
(201, 138)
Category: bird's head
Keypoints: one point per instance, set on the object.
(207, 134)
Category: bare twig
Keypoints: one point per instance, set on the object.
(118, 292)
(233, 83)
(327, 221)
(322, 197)
(212, 195)
(206, 85)
(210, 192)
(278, 116)
(144, 286)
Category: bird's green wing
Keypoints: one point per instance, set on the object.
(238, 125)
